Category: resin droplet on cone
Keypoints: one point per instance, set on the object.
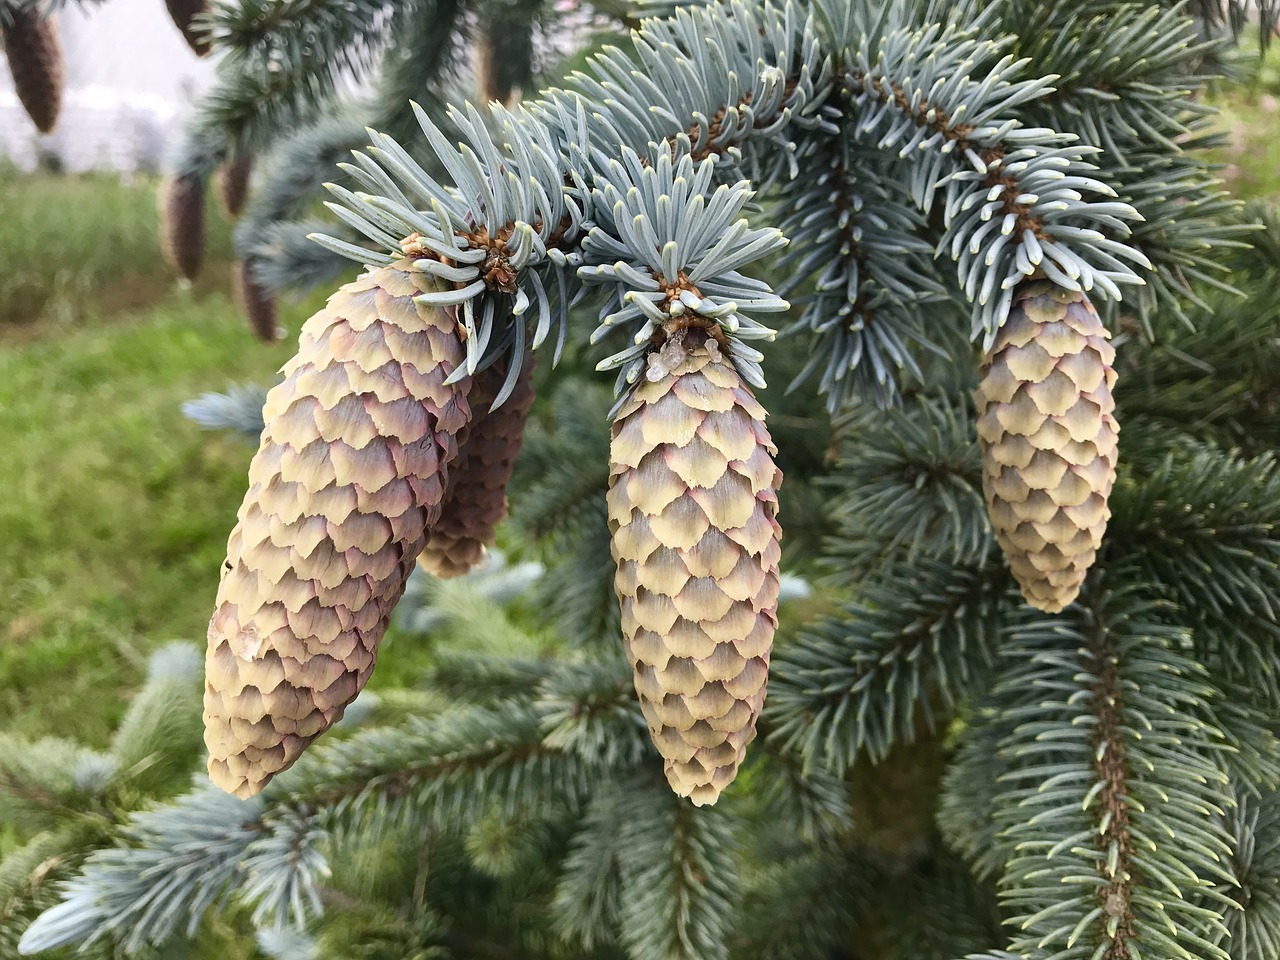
(181, 204)
(476, 501)
(34, 51)
(692, 509)
(1049, 440)
(350, 474)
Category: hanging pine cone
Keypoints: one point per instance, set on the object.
(183, 13)
(182, 225)
(256, 301)
(349, 476)
(692, 507)
(35, 59)
(476, 501)
(232, 180)
(1048, 440)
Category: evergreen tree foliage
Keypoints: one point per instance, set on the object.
(941, 771)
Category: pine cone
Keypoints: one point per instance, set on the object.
(350, 474)
(183, 13)
(476, 501)
(35, 59)
(182, 225)
(232, 180)
(692, 506)
(1048, 440)
(256, 301)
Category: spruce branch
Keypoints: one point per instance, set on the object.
(1203, 527)
(908, 485)
(804, 906)
(281, 63)
(1114, 815)
(1254, 928)
(184, 859)
(47, 780)
(967, 806)
(239, 409)
(160, 734)
(1126, 75)
(816, 801)
(1012, 200)
(588, 899)
(856, 239)
(913, 642)
(677, 875)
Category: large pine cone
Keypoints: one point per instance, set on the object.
(35, 59)
(476, 501)
(350, 474)
(182, 225)
(183, 13)
(1049, 440)
(692, 509)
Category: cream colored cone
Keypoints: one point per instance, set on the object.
(349, 476)
(1049, 440)
(476, 501)
(692, 509)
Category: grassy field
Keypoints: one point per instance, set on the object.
(115, 509)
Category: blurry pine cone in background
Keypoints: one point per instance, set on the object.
(476, 501)
(1049, 440)
(181, 203)
(692, 510)
(258, 304)
(232, 180)
(350, 475)
(34, 51)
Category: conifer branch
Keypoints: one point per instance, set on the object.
(1203, 526)
(804, 906)
(675, 900)
(1254, 928)
(967, 805)
(908, 485)
(1114, 821)
(281, 62)
(907, 649)
(858, 242)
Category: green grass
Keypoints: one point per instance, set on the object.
(115, 508)
(82, 246)
(1250, 114)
